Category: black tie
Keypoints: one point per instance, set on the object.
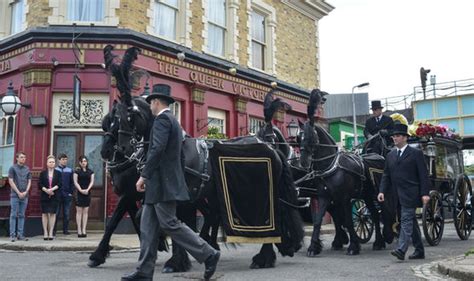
(378, 119)
(399, 154)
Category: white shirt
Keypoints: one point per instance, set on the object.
(402, 150)
(163, 110)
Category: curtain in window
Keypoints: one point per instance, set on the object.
(165, 18)
(18, 16)
(258, 40)
(85, 10)
(217, 26)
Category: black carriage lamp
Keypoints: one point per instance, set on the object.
(10, 102)
(431, 148)
(293, 129)
(146, 91)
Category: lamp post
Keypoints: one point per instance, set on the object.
(356, 142)
(10, 103)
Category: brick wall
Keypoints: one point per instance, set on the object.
(132, 14)
(38, 12)
(296, 47)
(197, 24)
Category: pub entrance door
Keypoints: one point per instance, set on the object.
(75, 144)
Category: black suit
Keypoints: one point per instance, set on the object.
(372, 127)
(164, 185)
(407, 175)
(163, 168)
(49, 204)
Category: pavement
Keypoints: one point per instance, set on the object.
(460, 267)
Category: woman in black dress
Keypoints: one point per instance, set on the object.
(49, 182)
(83, 181)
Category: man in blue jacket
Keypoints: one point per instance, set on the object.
(162, 180)
(65, 193)
(405, 172)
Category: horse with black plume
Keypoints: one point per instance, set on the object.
(335, 177)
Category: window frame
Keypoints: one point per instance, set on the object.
(221, 27)
(269, 12)
(252, 128)
(182, 24)
(6, 11)
(217, 114)
(60, 11)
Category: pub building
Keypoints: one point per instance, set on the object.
(39, 64)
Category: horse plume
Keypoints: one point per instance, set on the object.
(271, 105)
(121, 72)
(314, 101)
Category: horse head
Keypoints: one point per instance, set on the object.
(125, 127)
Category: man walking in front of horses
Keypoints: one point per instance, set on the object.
(163, 182)
(406, 174)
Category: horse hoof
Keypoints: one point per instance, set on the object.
(352, 253)
(167, 269)
(94, 263)
(336, 248)
(311, 254)
(254, 266)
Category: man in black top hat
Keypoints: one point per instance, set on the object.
(162, 180)
(406, 175)
(378, 122)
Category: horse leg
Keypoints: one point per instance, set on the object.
(340, 239)
(100, 254)
(318, 213)
(265, 258)
(354, 244)
(179, 261)
(379, 242)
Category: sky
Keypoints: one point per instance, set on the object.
(385, 42)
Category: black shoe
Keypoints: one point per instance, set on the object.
(399, 254)
(136, 276)
(417, 256)
(211, 265)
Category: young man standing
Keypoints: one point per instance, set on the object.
(19, 178)
(163, 182)
(406, 174)
(65, 193)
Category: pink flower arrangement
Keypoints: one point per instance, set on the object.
(429, 130)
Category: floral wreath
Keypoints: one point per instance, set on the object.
(425, 130)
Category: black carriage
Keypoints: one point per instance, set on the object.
(451, 189)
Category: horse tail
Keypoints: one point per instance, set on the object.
(292, 227)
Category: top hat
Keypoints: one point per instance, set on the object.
(376, 104)
(399, 129)
(160, 91)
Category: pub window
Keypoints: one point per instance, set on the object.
(217, 27)
(255, 124)
(176, 110)
(217, 119)
(7, 134)
(262, 36)
(86, 10)
(17, 16)
(258, 40)
(165, 18)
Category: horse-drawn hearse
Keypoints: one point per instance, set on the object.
(450, 196)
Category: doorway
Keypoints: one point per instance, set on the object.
(75, 144)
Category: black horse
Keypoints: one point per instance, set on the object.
(336, 177)
(127, 129)
(376, 144)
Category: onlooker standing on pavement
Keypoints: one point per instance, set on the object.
(49, 183)
(65, 193)
(83, 181)
(19, 178)
(406, 174)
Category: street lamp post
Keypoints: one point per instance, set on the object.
(356, 142)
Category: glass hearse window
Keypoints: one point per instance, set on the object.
(453, 167)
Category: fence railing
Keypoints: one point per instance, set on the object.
(438, 90)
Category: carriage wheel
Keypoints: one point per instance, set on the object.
(462, 207)
(362, 221)
(433, 219)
